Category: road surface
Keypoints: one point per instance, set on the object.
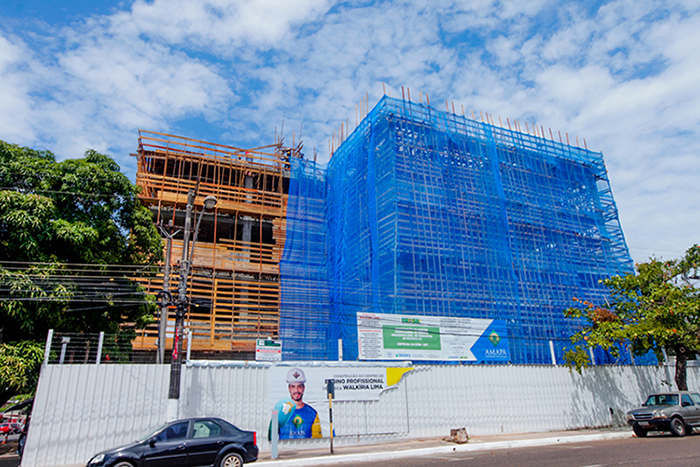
(656, 450)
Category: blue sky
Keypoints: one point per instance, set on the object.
(624, 74)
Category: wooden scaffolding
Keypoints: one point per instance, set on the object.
(234, 285)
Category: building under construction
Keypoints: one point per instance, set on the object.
(234, 286)
(419, 213)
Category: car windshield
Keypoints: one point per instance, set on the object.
(152, 433)
(662, 399)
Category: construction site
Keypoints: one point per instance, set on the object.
(234, 288)
(419, 212)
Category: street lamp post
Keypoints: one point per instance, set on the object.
(182, 303)
(164, 297)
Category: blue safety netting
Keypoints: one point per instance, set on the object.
(305, 324)
(428, 213)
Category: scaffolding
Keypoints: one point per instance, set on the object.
(305, 321)
(234, 286)
(429, 213)
(419, 212)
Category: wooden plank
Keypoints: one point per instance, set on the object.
(235, 310)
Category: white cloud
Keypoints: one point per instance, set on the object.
(105, 85)
(223, 25)
(624, 76)
(15, 109)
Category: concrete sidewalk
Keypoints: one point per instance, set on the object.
(434, 446)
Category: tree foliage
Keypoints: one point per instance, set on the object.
(55, 216)
(19, 368)
(657, 310)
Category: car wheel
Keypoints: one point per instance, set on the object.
(231, 460)
(640, 432)
(123, 464)
(678, 427)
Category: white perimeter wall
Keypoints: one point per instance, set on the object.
(82, 409)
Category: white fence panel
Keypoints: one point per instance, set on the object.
(496, 399)
(387, 416)
(82, 409)
(237, 394)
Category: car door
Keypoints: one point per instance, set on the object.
(688, 410)
(694, 410)
(167, 448)
(205, 443)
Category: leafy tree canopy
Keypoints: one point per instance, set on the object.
(19, 368)
(55, 216)
(657, 309)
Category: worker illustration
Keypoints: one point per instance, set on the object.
(297, 418)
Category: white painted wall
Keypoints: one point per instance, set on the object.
(82, 409)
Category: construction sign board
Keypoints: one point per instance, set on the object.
(431, 338)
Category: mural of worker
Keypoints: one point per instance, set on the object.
(297, 419)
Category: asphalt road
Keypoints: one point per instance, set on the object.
(9, 459)
(659, 451)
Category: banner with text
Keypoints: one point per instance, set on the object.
(410, 337)
(298, 394)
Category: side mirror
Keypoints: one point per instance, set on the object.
(685, 403)
(152, 442)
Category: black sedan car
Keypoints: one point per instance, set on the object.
(192, 442)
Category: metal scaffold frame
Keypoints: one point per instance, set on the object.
(234, 284)
(430, 213)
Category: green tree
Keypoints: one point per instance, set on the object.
(68, 232)
(657, 309)
(19, 368)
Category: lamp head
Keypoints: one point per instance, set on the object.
(209, 202)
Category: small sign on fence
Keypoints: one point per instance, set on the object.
(268, 350)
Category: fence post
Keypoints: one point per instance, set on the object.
(98, 359)
(551, 349)
(64, 345)
(47, 349)
(274, 433)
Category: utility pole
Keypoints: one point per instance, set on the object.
(166, 297)
(182, 303)
(181, 307)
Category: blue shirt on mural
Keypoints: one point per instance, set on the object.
(303, 423)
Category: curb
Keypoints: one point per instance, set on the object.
(382, 456)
